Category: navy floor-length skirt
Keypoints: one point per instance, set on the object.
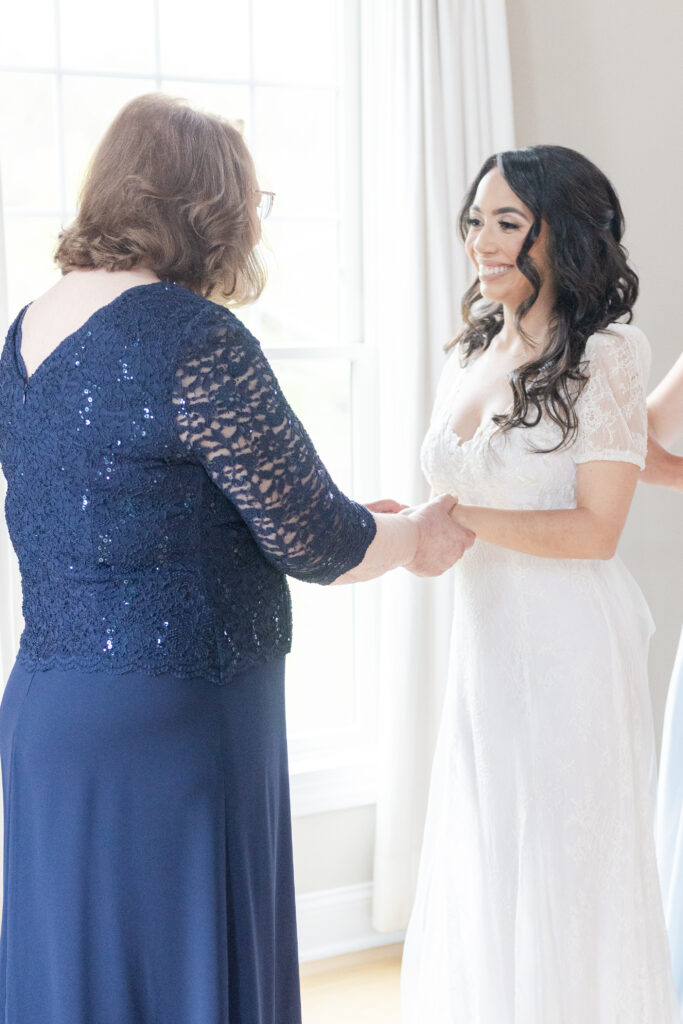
(147, 850)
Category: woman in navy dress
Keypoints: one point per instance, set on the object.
(159, 488)
(665, 422)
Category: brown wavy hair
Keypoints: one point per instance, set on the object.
(594, 282)
(170, 188)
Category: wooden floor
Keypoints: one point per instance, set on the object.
(362, 988)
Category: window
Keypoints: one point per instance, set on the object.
(289, 73)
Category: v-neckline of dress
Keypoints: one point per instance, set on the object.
(61, 345)
(483, 427)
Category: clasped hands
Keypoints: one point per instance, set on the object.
(441, 541)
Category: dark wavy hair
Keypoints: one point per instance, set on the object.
(170, 188)
(594, 284)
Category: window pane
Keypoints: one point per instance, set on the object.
(27, 32)
(90, 105)
(230, 101)
(120, 38)
(205, 38)
(295, 149)
(30, 243)
(299, 305)
(28, 140)
(319, 391)
(320, 691)
(309, 28)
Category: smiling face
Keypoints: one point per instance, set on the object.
(498, 224)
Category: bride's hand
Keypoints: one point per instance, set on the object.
(386, 505)
(441, 540)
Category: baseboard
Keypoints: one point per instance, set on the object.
(348, 963)
(332, 922)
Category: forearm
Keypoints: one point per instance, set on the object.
(556, 533)
(672, 475)
(664, 423)
(665, 407)
(662, 467)
(671, 472)
(394, 545)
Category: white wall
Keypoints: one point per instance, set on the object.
(334, 849)
(607, 79)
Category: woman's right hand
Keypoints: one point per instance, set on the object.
(423, 539)
(441, 541)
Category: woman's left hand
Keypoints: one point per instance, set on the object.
(386, 505)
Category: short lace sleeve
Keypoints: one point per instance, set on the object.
(231, 413)
(612, 408)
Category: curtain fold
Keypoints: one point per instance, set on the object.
(10, 586)
(436, 102)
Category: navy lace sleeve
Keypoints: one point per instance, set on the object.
(232, 415)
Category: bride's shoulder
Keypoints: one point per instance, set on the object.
(453, 365)
(619, 345)
(448, 378)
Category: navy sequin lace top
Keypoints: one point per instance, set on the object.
(159, 488)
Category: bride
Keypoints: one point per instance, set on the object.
(538, 898)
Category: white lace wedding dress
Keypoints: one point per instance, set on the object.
(538, 899)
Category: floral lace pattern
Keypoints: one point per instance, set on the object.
(612, 414)
(232, 415)
(142, 544)
(538, 897)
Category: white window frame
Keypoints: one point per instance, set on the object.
(337, 769)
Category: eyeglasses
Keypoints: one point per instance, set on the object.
(264, 203)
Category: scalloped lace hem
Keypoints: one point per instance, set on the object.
(211, 673)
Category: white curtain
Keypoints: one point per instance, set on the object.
(436, 103)
(10, 587)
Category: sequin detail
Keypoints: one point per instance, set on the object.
(159, 488)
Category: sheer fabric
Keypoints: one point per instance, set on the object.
(232, 415)
(612, 416)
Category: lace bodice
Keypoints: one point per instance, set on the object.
(501, 470)
(159, 487)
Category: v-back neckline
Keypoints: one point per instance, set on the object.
(61, 345)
